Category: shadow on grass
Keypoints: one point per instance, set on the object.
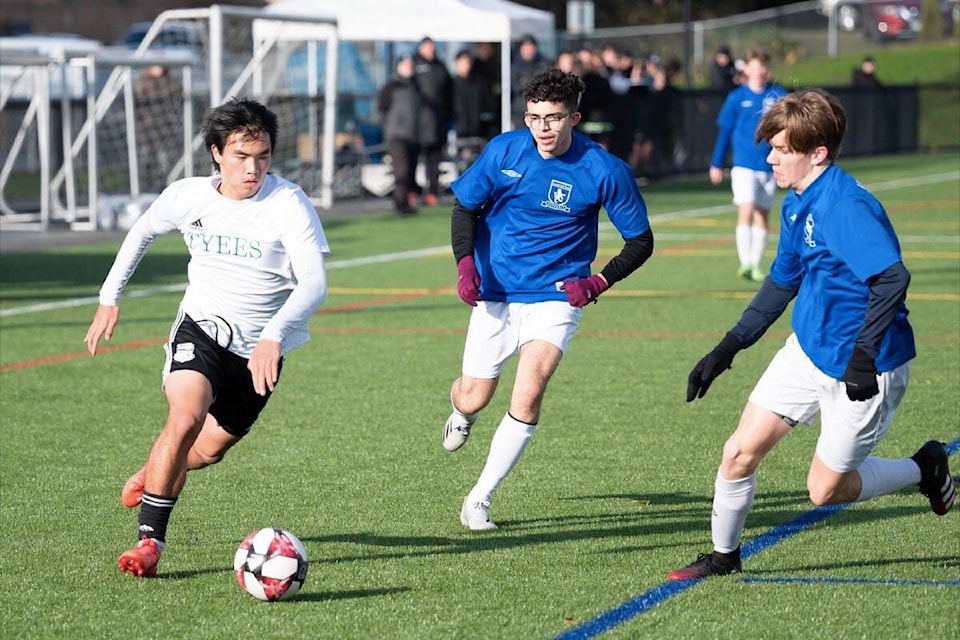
(935, 561)
(355, 594)
(650, 520)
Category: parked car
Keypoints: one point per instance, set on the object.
(52, 46)
(900, 20)
(885, 20)
(172, 36)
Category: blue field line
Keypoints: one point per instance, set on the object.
(666, 590)
(883, 582)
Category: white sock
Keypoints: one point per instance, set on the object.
(743, 244)
(758, 245)
(731, 504)
(880, 476)
(509, 441)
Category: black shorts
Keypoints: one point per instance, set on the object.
(236, 405)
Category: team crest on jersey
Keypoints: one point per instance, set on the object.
(558, 196)
(185, 352)
(808, 231)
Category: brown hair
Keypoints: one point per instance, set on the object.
(811, 118)
(757, 54)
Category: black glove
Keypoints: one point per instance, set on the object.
(711, 366)
(861, 376)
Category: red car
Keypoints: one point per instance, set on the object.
(883, 20)
(900, 19)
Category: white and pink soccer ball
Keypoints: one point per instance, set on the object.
(271, 564)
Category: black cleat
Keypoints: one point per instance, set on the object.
(709, 564)
(935, 480)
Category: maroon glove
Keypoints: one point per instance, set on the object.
(584, 291)
(468, 281)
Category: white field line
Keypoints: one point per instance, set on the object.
(435, 251)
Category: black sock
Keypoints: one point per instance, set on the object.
(154, 514)
(728, 559)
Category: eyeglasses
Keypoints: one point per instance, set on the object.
(533, 120)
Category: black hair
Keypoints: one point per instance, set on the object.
(241, 116)
(554, 85)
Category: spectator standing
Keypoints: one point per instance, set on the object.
(596, 103)
(486, 64)
(399, 107)
(865, 75)
(436, 111)
(525, 64)
(474, 110)
(723, 71)
(751, 178)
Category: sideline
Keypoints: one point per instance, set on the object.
(666, 590)
(436, 251)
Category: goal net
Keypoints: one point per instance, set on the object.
(111, 128)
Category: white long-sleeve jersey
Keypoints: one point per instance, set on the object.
(256, 265)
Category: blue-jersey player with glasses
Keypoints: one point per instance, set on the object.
(848, 357)
(524, 232)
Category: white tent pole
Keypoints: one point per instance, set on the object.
(506, 123)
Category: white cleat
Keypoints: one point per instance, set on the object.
(456, 431)
(475, 516)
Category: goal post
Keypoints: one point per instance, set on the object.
(129, 122)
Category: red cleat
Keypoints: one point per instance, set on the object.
(141, 561)
(430, 200)
(132, 493)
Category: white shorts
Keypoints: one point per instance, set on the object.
(757, 187)
(794, 388)
(497, 330)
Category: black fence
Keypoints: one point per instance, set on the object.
(674, 132)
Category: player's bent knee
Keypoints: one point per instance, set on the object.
(200, 459)
(823, 494)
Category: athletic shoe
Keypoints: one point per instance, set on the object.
(141, 561)
(132, 493)
(935, 480)
(475, 516)
(709, 564)
(455, 432)
(430, 200)
(756, 275)
(743, 271)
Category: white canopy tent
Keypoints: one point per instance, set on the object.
(408, 21)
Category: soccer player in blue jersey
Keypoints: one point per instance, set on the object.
(751, 178)
(849, 355)
(524, 235)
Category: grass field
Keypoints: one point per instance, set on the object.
(614, 491)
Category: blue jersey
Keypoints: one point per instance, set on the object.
(737, 123)
(539, 217)
(833, 238)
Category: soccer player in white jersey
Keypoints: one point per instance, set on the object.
(750, 178)
(849, 355)
(256, 275)
(524, 235)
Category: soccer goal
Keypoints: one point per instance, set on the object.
(91, 137)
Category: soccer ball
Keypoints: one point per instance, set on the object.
(271, 564)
